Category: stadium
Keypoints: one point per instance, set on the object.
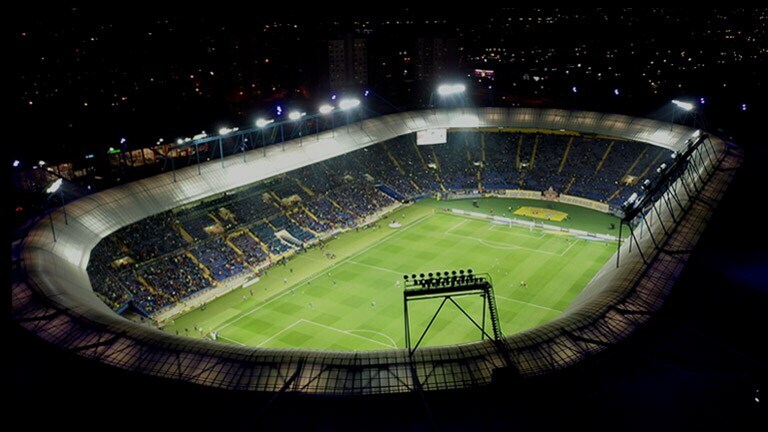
(287, 268)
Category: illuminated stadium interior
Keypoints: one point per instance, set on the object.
(162, 247)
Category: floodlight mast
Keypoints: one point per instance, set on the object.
(687, 106)
(446, 286)
(50, 190)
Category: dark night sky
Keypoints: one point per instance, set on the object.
(84, 77)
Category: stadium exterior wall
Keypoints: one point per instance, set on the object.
(52, 296)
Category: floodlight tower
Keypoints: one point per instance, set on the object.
(262, 124)
(52, 189)
(347, 105)
(325, 110)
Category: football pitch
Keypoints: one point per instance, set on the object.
(354, 301)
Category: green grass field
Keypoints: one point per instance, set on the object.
(355, 301)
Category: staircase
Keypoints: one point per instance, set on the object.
(497, 333)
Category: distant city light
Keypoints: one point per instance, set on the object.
(367, 92)
(333, 97)
(450, 89)
(574, 89)
(346, 104)
(122, 140)
(683, 105)
(616, 92)
(743, 107)
(279, 110)
(263, 122)
(325, 109)
(89, 156)
(702, 101)
(16, 163)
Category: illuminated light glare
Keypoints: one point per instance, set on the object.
(16, 163)
(333, 97)
(683, 105)
(346, 104)
(325, 109)
(122, 140)
(702, 101)
(743, 107)
(180, 141)
(279, 110)
(54, 186)
(450, 89)
(295, 115)
(41, 163)
(263, 122)
(201, 135)
(574, 89)
(696, 133)
(616, 92)
(367, 92)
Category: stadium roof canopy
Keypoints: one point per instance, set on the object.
(52, 295)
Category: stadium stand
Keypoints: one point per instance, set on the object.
(335, 194)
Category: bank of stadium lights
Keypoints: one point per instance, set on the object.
(325, 109)
(55, 186)
(441, 279)
(450, 89)
(687, 106)
(295, 115)
(226, 131)
(349, 103)
(630, 202)
(201, 135)
(262, 123)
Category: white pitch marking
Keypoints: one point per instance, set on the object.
(376, 267)
(394, 344)
(280, 332)
(529, 304)
(231, 340)
(348, 333)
